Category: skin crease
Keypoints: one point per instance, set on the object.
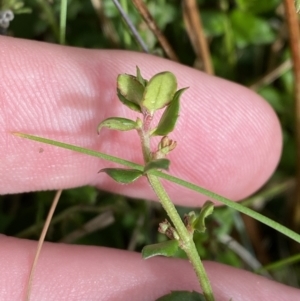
(229, 141)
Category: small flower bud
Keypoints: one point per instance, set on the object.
(166, 145)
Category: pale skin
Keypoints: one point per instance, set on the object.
(229, 141)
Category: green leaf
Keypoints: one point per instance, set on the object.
(159, 91)
(168, 248)
(168, 119)
(121, 175)
(157, 164)
(214, 22)
(131, 105)
(257, 6)
(117, 123)
(139, 77)
(250, 30)
(182, 296)
(206, 210)
(130, 89)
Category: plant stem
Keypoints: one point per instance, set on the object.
(145, 137)
(186, 239)
(294, 32)
(63, 21)
(214, 196)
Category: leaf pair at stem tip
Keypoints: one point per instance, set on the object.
(147, 97)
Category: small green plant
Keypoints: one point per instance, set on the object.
(147, 97)
(233, 45)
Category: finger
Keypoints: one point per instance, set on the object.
(66, 272)
(229, 139)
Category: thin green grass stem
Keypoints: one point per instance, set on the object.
(63, 22)
(239, 207)
(280, 264)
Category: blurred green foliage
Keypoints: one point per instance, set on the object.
(247, 40)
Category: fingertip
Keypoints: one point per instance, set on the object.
(70, 272)
(229, 139)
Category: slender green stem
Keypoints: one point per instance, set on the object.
(186, 239)
(239, 207)
(145, 138)
(145, 142)
(169, 208)
(280, 264)
(63, 22)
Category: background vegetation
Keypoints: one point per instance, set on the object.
(248, 43)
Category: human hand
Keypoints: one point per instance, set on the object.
(229, 141)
